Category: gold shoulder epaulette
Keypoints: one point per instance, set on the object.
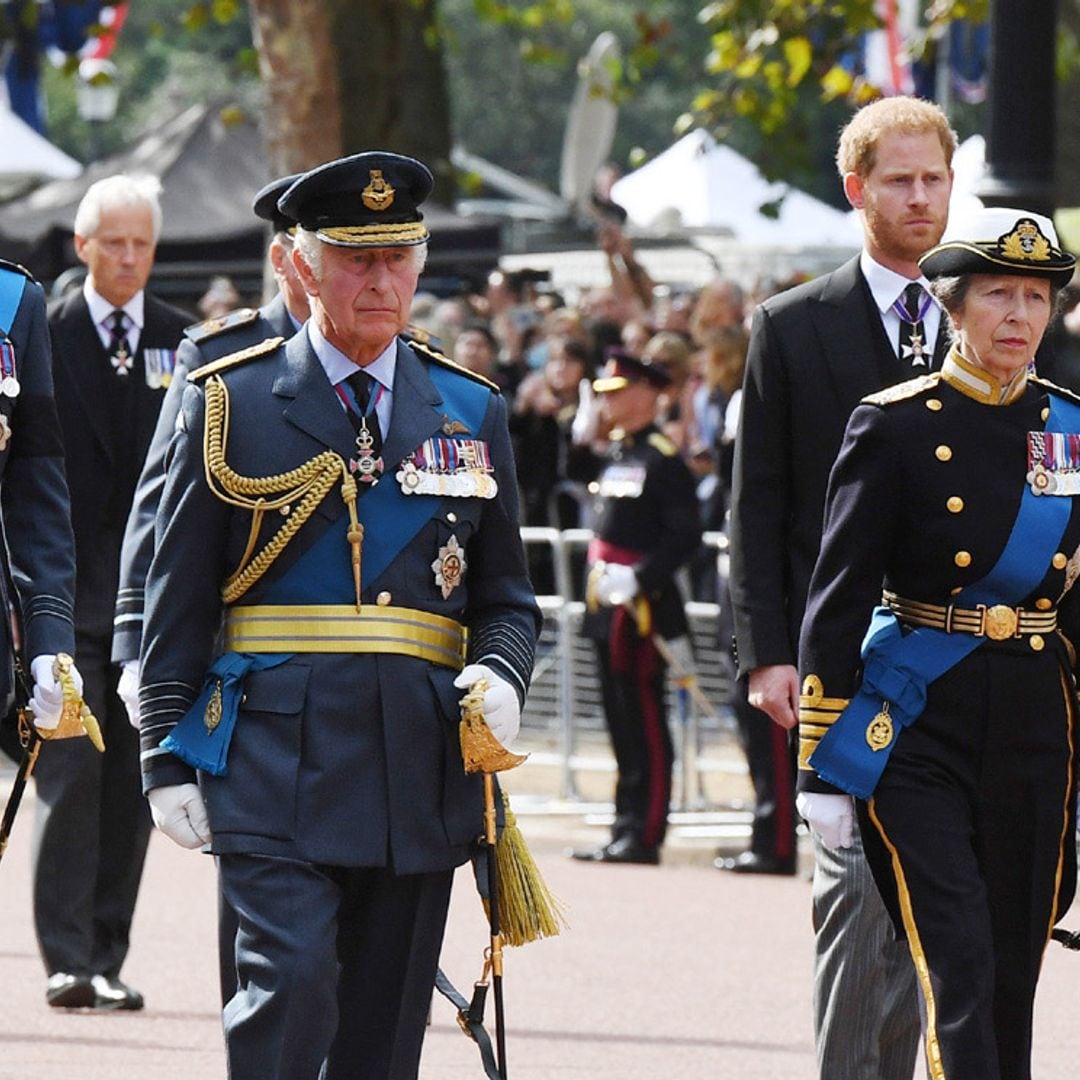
(412, 332)
(663, 444)
(264, 348)
(446, 362)
(210, 328)
(1054, 388)
(902, 391)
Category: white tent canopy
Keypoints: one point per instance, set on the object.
(26, 154)
(697, 183)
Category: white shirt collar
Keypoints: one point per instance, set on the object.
(885, 285)
(101, 309)
(339, 367)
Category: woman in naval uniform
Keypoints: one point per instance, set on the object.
(948, 710)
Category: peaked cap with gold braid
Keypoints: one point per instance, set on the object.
(366, 200)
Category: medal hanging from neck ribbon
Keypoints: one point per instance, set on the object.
(911, 308)
(9, 381)
(367, 464)
(119, 348)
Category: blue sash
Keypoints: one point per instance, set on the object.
(898, 668)
(12, 285)
(323, 575)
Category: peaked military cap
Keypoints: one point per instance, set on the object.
(1000, 240)
(366, 200)
(621, 369)
(265, 204)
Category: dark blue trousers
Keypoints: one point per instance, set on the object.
(335, 965)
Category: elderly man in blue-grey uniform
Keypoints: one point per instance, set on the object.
(37, 558)
(343, 508)
(203, 342)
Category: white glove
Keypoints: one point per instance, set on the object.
(831, 817)
(502, 710)
(127, 689)
(180, 813)
(617, 584)
(47, 700)
(586, 421)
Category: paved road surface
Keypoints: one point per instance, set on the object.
(676, 973)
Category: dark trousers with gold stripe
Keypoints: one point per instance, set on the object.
(969, 834)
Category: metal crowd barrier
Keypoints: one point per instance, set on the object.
(564, 709)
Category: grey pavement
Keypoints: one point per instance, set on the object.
(672, 973)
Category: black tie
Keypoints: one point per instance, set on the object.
(914, 349)
(365, 418)
(119, 349)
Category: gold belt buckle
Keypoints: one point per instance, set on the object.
(1000, 622)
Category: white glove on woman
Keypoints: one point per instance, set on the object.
(831, 817)
(180, 813)
(47, 700)
(502, 711)
(617, 584)
(127, 689)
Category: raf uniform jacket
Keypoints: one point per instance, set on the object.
(815, 352)
(647, 507)
(348, 759)
(202, 343)
(921, 502)
(38, 551)
(104, 449)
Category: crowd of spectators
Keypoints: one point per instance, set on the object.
(542, 348)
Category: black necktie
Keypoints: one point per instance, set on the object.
(119, 349)
(913, 349)
(366, 425)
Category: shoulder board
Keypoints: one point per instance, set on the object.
(197, 333)
(1062, 391)
(264, 348)
(902, 391)
(662, 443)
(15, 268)
(412, 332)
(446, 362)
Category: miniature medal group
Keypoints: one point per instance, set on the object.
(9, 387)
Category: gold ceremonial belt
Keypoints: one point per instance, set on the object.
(998, 623)
(340, 628)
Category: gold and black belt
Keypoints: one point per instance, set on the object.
(340, 628)
(998, 622)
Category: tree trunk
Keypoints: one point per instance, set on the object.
(393, 82)
(298, 65)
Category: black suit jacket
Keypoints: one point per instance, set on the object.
(101, 479)
(815, 352)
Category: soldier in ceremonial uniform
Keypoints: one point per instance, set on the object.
(202, 343)
(648, 525)
(343, 506)
(951, 507)
(37, 558)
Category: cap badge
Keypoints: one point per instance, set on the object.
(378, 195)
(1025, 242)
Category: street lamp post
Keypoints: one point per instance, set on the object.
(1020, 106)
(96, 97)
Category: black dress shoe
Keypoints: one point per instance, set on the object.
(627, 849)
(111, 993)
(749, 862)
(64, 991)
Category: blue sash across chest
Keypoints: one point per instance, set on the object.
(11, 290)
(323, 575)
(898, 667)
